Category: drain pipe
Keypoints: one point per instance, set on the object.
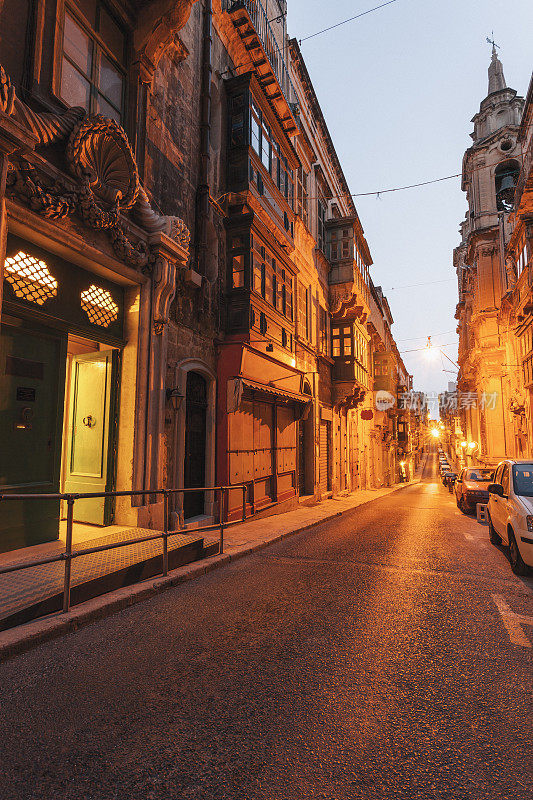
(202, 192)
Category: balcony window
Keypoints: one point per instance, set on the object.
(273, 283)
(93, 61)
(321, 224)
(342, 341)
(269, 152)
(302, 201)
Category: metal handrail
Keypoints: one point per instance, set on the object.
(69, 553)
(263, 29)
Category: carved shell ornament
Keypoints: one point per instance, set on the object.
(98, 150)
(99, 155)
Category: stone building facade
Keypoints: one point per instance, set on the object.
(187, 291)
(489, 379)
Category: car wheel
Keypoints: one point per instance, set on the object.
(462, 505)
(493, 536)
(517, 564)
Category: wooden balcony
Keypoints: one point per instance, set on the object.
(252, 25)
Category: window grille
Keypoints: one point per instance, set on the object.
(30, 278)
(99, 306)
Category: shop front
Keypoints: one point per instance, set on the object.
(259, 430)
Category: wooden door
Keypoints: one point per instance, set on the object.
(325, 456)
(195, 443)
(301, 457)
(89, 454)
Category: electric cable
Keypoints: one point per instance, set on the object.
(344, 21)
(412, 285)
(436, 347)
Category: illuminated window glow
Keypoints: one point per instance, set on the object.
(99, 306)
(30, 278)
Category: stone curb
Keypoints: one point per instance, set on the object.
(23, 638)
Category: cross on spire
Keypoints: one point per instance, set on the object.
(493, 43)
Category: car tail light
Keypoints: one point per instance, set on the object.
(529, 520)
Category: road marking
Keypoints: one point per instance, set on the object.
(513, 622)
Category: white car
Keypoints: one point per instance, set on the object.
(510, 512)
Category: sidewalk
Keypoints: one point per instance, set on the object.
(239, 540)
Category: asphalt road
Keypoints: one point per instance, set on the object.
(386, 654)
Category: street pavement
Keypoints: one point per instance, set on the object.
(383, 654)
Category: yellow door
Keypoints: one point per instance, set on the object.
(87, 467)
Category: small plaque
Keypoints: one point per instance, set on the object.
(26, 394)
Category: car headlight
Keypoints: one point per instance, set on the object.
(529, 520)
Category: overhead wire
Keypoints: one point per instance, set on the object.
(425, 283)
(437, 347)
(413, 338)
(345, 21)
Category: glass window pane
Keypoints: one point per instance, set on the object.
(255, 135)
(106, 109)
(77, 45)
(110, 81)
(75, 89)
(111, 34)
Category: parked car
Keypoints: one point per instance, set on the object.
(510, 512)
(448, 479)
(471, 487)
(444, 468)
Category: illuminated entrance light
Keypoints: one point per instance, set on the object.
(30, 278)
(99, 306)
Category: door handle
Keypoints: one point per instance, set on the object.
(89, 421)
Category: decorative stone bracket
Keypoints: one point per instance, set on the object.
(169, 255)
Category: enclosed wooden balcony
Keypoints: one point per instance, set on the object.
(257, 35)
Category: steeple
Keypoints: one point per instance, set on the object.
(496, 77)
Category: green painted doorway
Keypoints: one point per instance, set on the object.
(32, 379)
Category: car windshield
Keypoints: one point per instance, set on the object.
(479, 475)
(523, 479)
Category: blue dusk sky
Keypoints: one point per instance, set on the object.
(398, 88)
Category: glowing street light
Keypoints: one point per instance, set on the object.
(435, 433)
(430, 352)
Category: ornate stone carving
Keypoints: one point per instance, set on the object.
(58, 202)
(98, 150)
(152, 39)
(510, 268)
(144, 214)
(164, 275)
(99, 155)
(176, 229)
(47, 127)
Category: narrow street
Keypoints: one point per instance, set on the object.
(376, 656)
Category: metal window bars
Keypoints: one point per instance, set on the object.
(69, 553)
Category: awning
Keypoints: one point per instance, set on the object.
(238, 384)
(284, 394)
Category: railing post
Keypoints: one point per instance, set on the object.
(68, 554)
(244, 503)
(166, 496)
(221, 514)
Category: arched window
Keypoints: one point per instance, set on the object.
(505, 179)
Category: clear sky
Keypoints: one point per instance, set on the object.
(398, 89)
